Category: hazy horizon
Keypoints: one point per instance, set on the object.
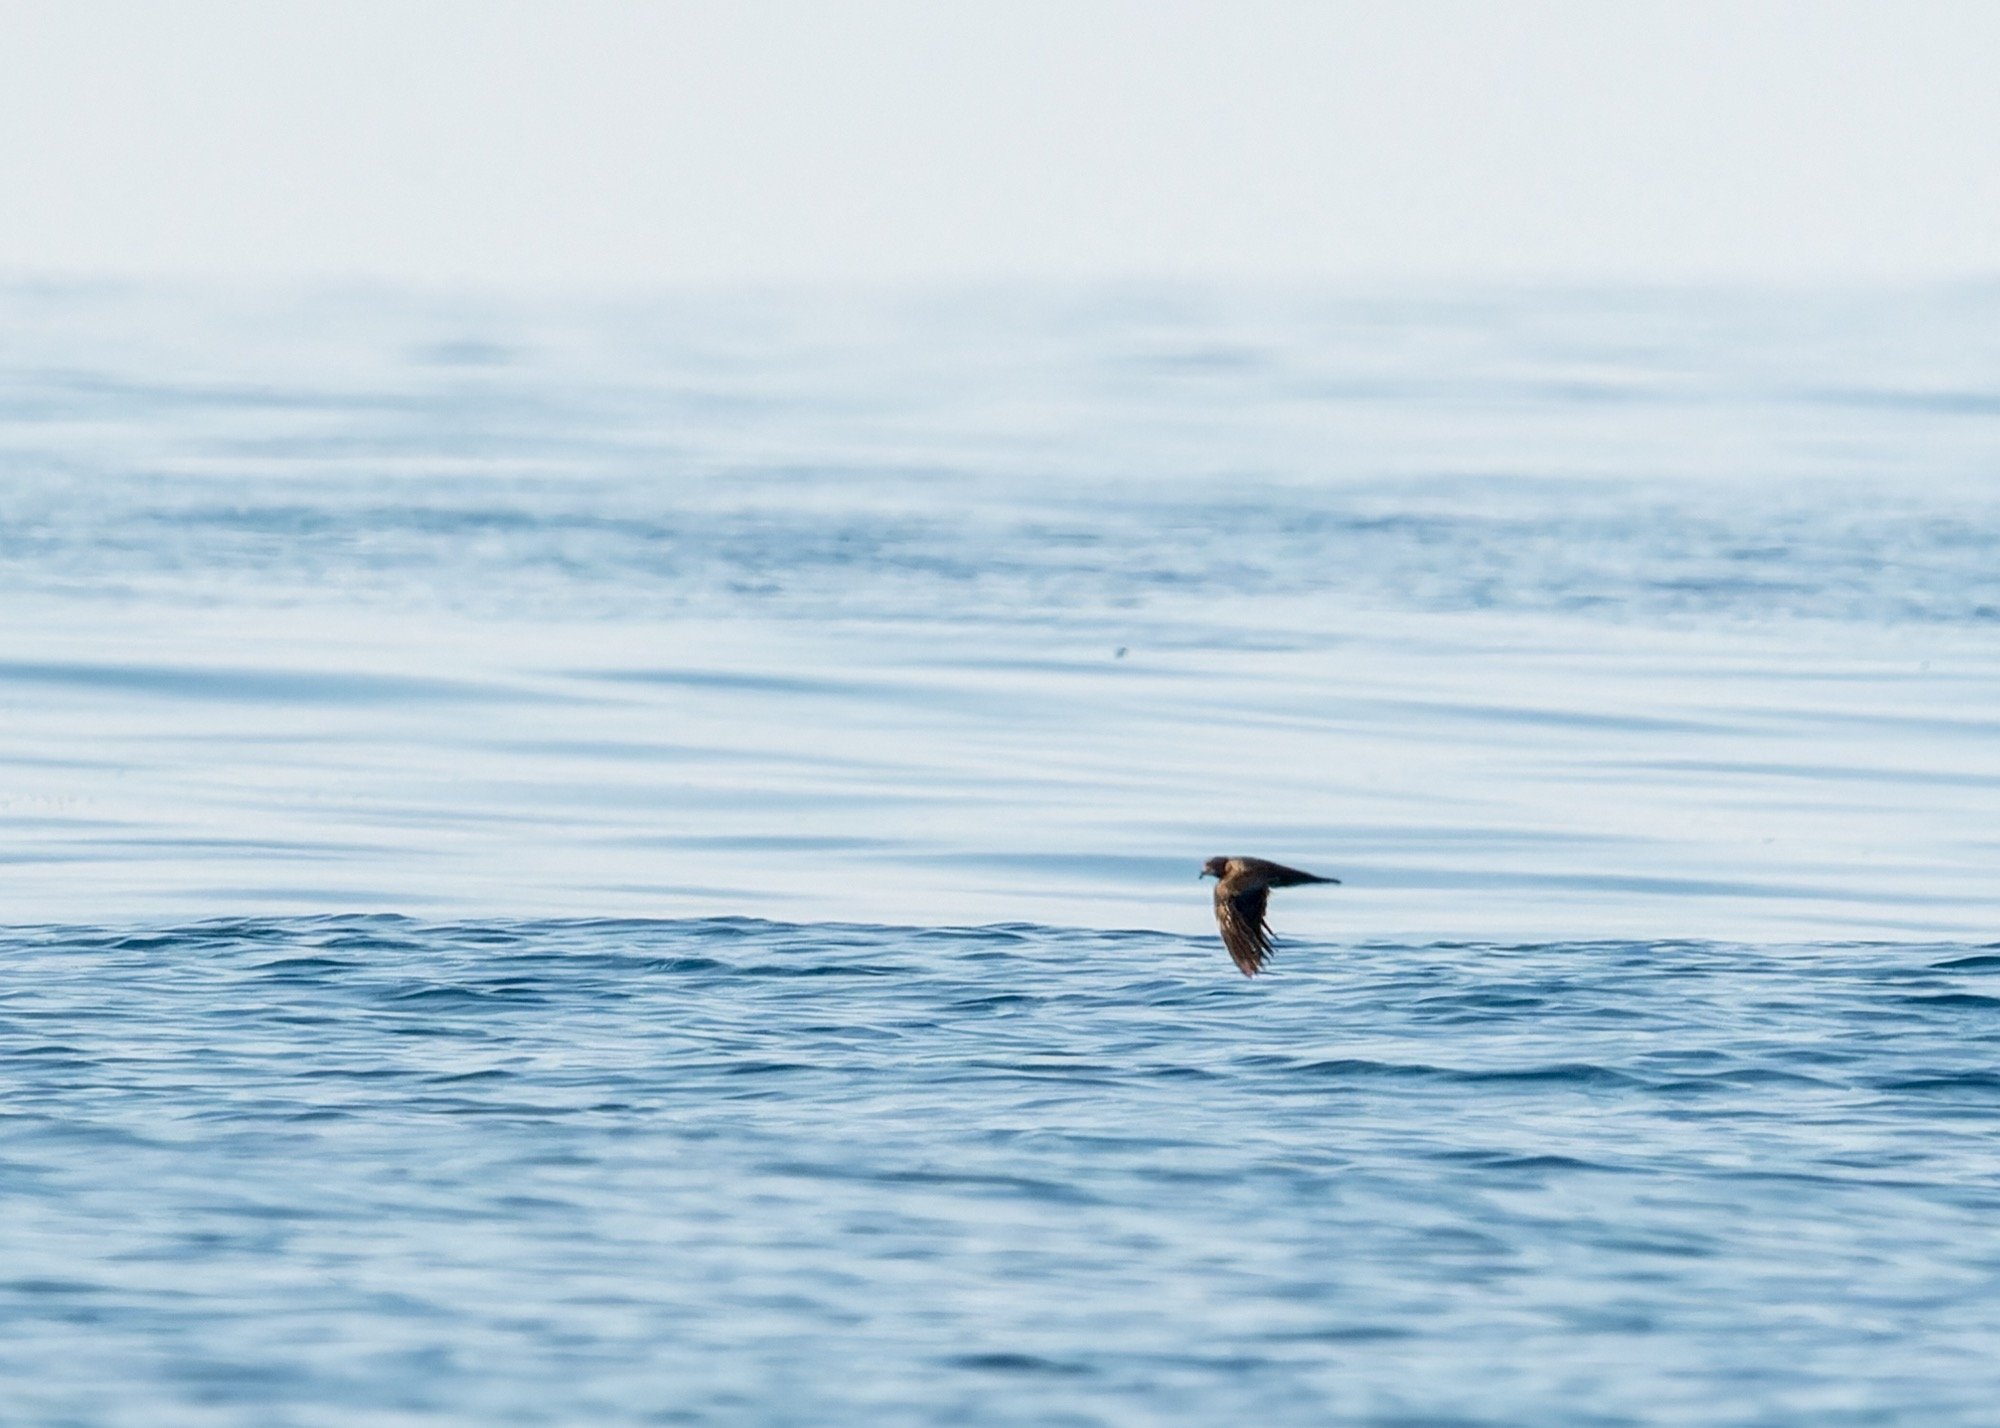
(625, 146)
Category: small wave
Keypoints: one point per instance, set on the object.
(258, 685)
(1560, 1074)
(1509, 1161)
(1032, 1364)
(1982, 1083)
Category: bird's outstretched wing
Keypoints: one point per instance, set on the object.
(1240, 914)
(1277, 875)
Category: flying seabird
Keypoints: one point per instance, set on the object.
(1242, 888)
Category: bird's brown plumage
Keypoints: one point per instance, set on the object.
(1242, 892)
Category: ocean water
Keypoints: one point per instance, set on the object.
(585, 862)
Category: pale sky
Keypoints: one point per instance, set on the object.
(630, 144)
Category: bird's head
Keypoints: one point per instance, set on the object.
(1215, 868)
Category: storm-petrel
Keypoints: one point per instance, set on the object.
(1242, 889)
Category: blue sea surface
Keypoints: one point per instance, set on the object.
(583, 862)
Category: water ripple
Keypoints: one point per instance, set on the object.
(448, 1159)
